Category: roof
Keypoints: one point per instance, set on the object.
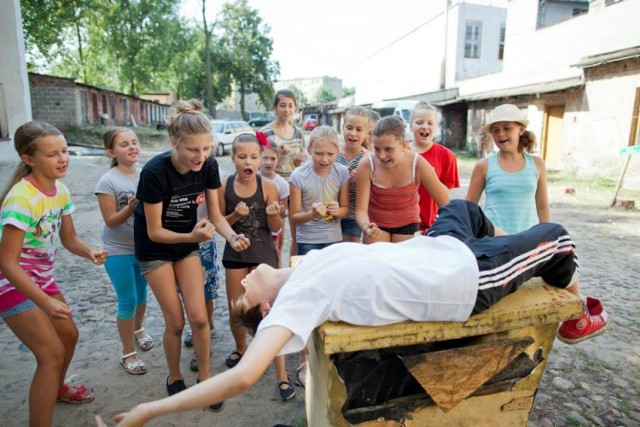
(544, 87)
(604, 58)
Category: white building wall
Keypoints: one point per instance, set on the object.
(15, 107)
(491, 19)
(412, 65)
(541, 55)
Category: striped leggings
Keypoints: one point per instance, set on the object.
(506, 262)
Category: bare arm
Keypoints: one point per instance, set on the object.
(10, 248)
(237, 242)
(296, 216)
(429, 180)
(202, 231)
(76, 245)
(258, 356)
(343, 198)
(113, 217)
(478, 181)
(542, 198)
(272, 206)
(363, 192)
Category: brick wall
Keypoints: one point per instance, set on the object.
(65, 104)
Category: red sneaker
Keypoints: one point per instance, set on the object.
(592, 323)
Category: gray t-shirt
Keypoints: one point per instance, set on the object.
(316, 189)
(118, 240)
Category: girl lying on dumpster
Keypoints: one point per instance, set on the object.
(461, 267)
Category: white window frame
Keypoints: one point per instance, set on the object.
(472, 39)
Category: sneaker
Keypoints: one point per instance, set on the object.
(193, 364)
(188, 340)
(592, 323)
(175, 387)
(216, 407)
(287, 391)
(301, 371)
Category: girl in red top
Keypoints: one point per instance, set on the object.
(387, 186)
(425, 119)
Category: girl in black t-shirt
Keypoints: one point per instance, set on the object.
(167, 233)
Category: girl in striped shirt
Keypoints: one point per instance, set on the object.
(36, 211)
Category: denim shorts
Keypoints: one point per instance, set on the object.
(304, 248)
(350, 227)
(21, 307)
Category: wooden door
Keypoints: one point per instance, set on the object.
(553, 136)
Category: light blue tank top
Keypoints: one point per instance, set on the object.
(511, 197)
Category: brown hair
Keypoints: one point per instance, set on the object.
(390, 125)
(24, 142)
(364, 114)
(188, 119)
(109, 138)
(284, 93)
(249, 318)
(244, 138)
(527, 141)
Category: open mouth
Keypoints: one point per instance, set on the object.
(247, 172)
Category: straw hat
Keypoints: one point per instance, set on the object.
(505, 113)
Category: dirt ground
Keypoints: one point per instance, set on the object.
(607, 241)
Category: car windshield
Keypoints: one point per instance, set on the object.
(218, 127)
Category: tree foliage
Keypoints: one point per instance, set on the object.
(245, 36)
(348, 91)
(324, 95)
(300, 97)
(135, 46)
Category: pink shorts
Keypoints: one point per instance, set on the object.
(14, 297)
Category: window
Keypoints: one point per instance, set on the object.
(501, 45)
(472, 40)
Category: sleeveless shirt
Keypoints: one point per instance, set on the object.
(396, 206)
(254, 226)
(511, 196)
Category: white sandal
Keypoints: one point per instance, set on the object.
(145, 343)
(134, 368)
(301, 371)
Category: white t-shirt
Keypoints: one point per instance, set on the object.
(421, 279)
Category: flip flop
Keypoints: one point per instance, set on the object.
(81, 394)
(233, 361)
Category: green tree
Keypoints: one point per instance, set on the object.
(50, 26)
(324, 95)
(136, 33)
(247, 39)
(348, 91)
(302, 100)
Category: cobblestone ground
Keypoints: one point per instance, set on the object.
(593, 383)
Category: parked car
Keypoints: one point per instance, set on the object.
(225, 131)
(311, 124)
(261, 121)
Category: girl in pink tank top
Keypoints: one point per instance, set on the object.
(387, 198)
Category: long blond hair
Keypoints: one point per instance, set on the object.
(24, 142)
